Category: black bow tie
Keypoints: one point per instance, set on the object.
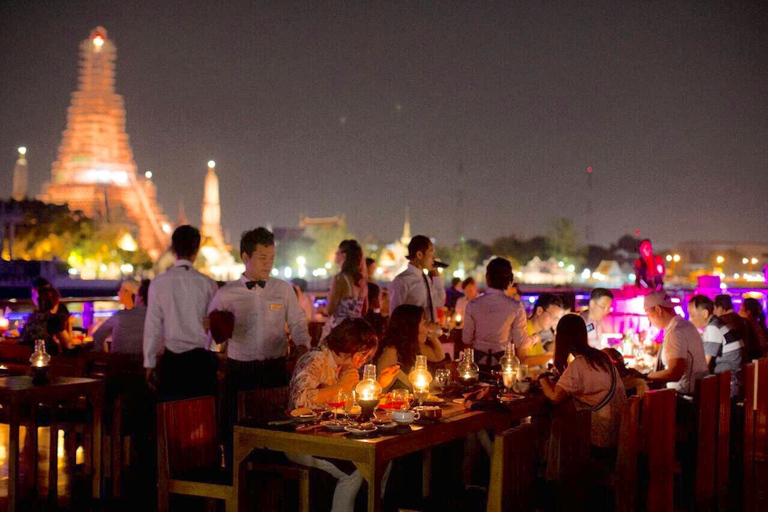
(251, 284)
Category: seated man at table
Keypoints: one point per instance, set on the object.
(546, 313)
(600, 301)
(681, 360)
(125, 327)
(494, 318)
(328, 372)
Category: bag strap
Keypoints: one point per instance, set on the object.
(608, 397)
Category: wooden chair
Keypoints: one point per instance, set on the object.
(569, 446)
(723, 456)
(624, 480)
(261, 405)
(658, 426)
(755, 449)
(707, 410)
(513, 470)
(188, 456)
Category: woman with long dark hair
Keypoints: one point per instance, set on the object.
(590, 378)
(407, 337)
(753, 313)
(349, 291)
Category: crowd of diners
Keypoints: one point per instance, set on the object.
(389, 327)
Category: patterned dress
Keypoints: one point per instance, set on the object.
(348, 307)
(314, 370)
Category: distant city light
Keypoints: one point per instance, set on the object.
(148, 174)
(302, 271)
(98, 41)
(560, 264)
(379, 271)
(571, 268)
(589, 169)
(301, 260)
(167, 228)
(211, 164)
(22, 151)
(720, 260)
(126, 268)
(676, 258)
(669, 257)
(274, 272)
(753, 261)
(328, 266)
(287, 272)
(72, 271)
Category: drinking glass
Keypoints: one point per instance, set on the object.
(522, 373)
(337, 401)
(399, 399)
(441, 379)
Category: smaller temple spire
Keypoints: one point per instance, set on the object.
(181, 218)
(21, 176)
(406, 238)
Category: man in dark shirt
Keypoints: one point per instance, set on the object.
(724, 311)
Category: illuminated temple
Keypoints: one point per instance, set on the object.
(95, 171)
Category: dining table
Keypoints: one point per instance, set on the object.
(370, 455)
(19, 394)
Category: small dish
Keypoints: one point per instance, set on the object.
(508, 398)
(356, 431)
(335, 425)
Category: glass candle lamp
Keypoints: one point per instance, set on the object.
(368, 392)
(420, 379)
(468, 369)
(39, 362)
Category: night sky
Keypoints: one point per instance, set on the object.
(363, 108)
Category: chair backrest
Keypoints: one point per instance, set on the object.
(707, 407)
(187, 435)
(15, 353)
(658, 421)
(722, 487)
(518, 475)
(569, 445)
(626, 459)
(755, 428)
(67, 366)
(262, 404)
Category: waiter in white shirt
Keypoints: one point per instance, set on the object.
(176, 321)
(494, 318)
(413, 285)
(263, 306)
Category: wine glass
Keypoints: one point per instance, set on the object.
(441, 380)
(338, 400)
(399, 398)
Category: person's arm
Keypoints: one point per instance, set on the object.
(554, 393)
(397, 293)
(153, 328)
(297, 322)
(539, 360)
(713, 342)
(673, 373)
(433, 349)
(101, 334)
(468, 333)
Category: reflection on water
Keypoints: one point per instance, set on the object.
(25, 452)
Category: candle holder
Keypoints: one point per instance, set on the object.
(468, 369)
(39, 362)
(420, 379)
(367, 407)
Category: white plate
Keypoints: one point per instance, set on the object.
(334, 426)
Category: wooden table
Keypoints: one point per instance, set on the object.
(370, 456)
(19, 390)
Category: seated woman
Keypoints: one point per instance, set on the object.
(319, 376)
(50, 321)
(408, 336)
(591, 379)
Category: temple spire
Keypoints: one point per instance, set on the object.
(20, 176)
(406, 238)
(181, 216)
(211, 227)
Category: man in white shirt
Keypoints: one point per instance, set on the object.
(263, 306)
(681, 360)
(176, 321)
(494, 318)
(413, 286)
(600, 301)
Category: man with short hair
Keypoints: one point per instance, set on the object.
(723, 346)
(176, 320)
(600, 301)
(126, 294)
(125, 327)
(262, 306)
(725, 312)
(454, 293)
(413, 285)
(546, 313)
(680, 361)
(494, 319)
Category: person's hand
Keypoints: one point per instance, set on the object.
(151, 378)
(349, 378)
(388, 374)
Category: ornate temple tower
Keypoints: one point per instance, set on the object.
(95, 171)
(211, 227)
(20, 176)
